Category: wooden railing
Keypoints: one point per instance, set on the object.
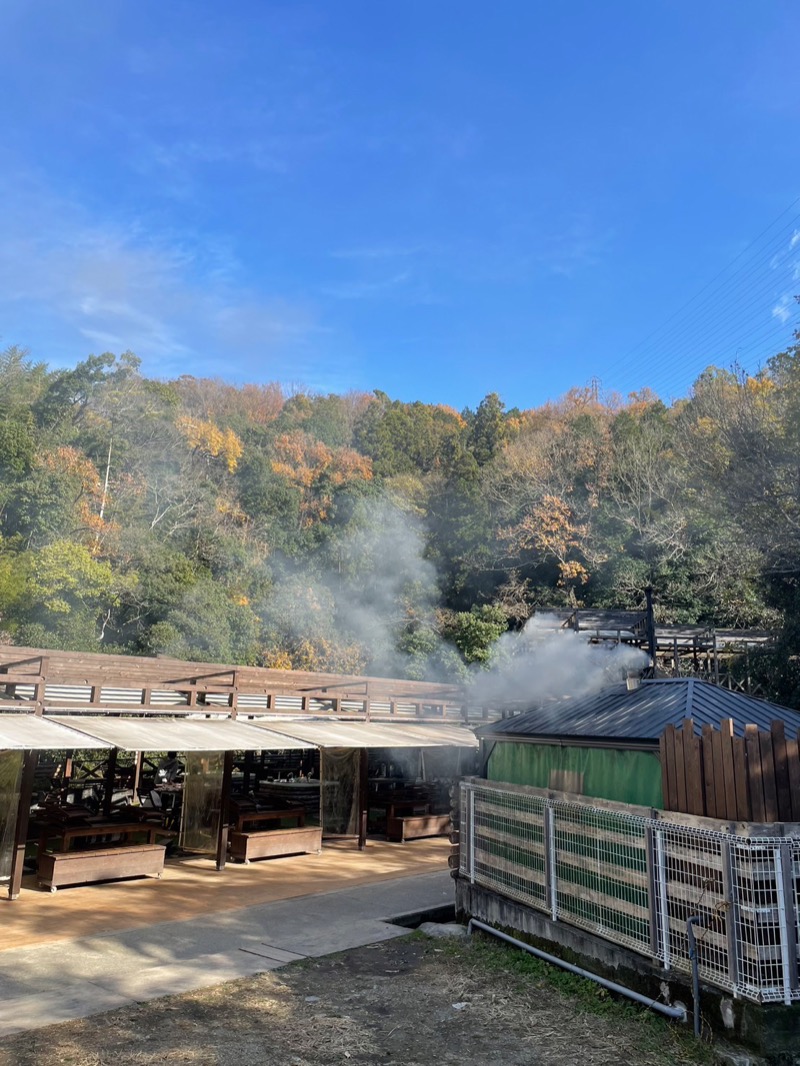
(35, 679)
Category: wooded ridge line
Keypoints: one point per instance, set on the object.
(360, 536)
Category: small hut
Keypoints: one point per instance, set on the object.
(607, 745)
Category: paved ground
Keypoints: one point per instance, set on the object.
(72, 977)
(193, 887)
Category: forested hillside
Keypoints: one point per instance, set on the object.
(357, 533)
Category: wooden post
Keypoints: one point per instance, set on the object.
(363, 798)
(726, 729)
(233, 696)
(224, 808)
(29, 761)
(716, 659)
(138, 760)
(40, 687)
(111, 773)
(782, 783)
(754, 773)
(651, 629)
(66, 777)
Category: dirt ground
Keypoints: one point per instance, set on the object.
(414, 1001)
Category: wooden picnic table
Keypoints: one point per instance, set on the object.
(66, 835)
(297, 814)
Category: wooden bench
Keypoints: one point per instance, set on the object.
(57, 868)
(411, 827)
(270, 843)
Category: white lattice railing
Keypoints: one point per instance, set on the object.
(636, 880)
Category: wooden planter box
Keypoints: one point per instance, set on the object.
(57, 868)
(270, 843)
(412, 827)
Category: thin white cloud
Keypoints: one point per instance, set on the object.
(795, 239)
(782, 310)
(385, 251)
(114, 286)
(366, 290)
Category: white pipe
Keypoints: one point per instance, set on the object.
(677, 1013)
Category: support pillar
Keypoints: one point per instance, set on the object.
(29, 762)
(363, 798)
(224, 811)
(111, 773)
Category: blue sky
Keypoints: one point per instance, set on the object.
(438, 199)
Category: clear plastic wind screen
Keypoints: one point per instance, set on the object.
(636, 881)
(202, 800)
(10, 778)
(339, 775)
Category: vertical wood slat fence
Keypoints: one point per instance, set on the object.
(754, 778)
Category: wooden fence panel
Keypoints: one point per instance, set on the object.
(768, 776)
(708, 773)
(781, 756)
(669, 788)
(751, 778)
(793, 759)
(726, 733)
(743, 807)
(694, 769)
(754, 774)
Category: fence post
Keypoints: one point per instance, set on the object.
(788, 929)
(661, 884)
(550, 874)
(652, 888)
(731, 895)
(472, 836)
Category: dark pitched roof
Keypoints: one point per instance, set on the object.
(644, 713)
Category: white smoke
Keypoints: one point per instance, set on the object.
(546, 662)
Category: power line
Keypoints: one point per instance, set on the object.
(718, 275)
(735, 303)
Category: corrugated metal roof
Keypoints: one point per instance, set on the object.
(327, 734)
(644, 713)
(178, 734)
(29, 732)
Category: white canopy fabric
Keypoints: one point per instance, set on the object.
(96, 731)
(178, 734)
(324, 733)
(30, 732)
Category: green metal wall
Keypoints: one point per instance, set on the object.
(609, 773)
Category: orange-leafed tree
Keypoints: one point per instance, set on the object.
(317, 472)
(207, 439)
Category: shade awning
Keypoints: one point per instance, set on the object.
(178, 734)
(327, 734)
(30, 732)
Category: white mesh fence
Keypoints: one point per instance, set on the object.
(636, 881)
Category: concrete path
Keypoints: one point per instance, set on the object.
(68, 979)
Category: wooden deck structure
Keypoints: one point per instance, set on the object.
(145, 695)
(722, 656)
(38, 679)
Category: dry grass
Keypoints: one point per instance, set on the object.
(405, 1002)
